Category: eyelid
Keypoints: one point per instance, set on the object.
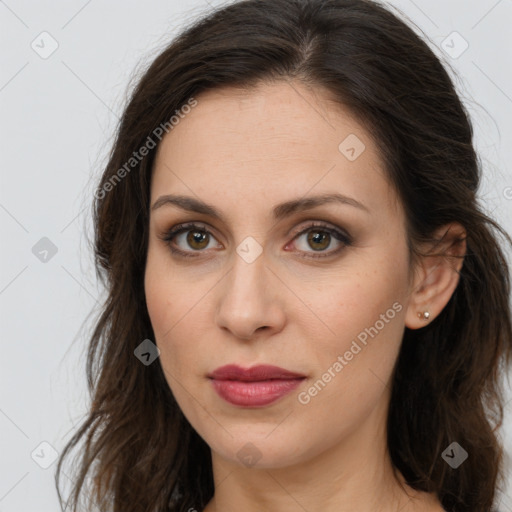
(307, 225)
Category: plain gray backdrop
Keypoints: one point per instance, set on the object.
(65, 70)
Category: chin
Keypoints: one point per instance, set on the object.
(260, 451)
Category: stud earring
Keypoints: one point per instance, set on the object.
(425, 315)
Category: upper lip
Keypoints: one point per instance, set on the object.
(256, 373)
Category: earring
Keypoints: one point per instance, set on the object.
(425, 315)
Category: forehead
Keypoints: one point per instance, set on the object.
(284, 116)
(276, 140)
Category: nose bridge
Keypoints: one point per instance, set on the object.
(248, 274)
(245, 303)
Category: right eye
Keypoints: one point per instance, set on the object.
(195, 236)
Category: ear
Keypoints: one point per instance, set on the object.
(436, 275)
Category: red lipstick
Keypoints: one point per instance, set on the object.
(253, 387)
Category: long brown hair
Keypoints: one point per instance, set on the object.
(140, 453)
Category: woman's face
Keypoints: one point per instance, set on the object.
(319, 289)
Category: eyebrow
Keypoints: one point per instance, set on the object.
(279, 212)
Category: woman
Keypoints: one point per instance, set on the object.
(307, 309)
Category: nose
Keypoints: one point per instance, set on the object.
(250, 300)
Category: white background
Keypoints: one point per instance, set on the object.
(57, 121)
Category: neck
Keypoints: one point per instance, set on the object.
(355, 475)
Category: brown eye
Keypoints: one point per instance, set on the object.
(196, 239)
(318, 240)
(185, 240)
(190, 240)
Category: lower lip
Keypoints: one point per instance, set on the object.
(256, 393)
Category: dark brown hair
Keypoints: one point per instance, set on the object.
(139, 449)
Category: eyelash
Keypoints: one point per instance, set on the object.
(173, 232)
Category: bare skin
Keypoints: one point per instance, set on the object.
(244, 152)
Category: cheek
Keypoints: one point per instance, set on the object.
(366, 319)
(174, 306)
(164, 307)
(361, 298)
(353, 368)
(158, 297)
(166, 296)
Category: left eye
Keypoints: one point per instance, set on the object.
(319, 237)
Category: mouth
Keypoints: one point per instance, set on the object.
(254, 387)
